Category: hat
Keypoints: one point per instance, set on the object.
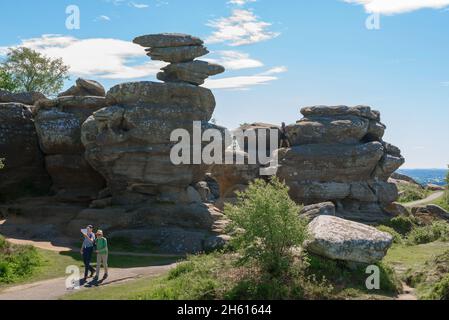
(100, 232)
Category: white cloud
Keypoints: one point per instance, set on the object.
(445, 83)
(139, 5)
(399, 6)
(235, 60)
(103, 18)
(242, 27)
(97, 57)
(245, 82)
(240, 2)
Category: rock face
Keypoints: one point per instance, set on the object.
(58, 124)
(27, 98)
(129, 144)
(24, 170)
(339, 239)
(180, 50)
(338, 155)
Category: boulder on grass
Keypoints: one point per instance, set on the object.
(340, 239)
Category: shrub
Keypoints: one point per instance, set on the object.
(397, 237)
(402, 224)
(267, 226)
(438, 230)
(17, 262)
(411, 192)
(439, 291)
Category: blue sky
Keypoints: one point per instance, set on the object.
(280, 55)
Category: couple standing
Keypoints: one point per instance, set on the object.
(98, 243)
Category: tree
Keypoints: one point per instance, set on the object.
(33, 72)
(1, 163)
(267, 226)
(6, 81)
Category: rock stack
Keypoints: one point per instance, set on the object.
(180, 51)
(24, 172)
(129, 144)
(338, 154)
(58, 124)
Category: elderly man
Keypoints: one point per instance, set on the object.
(87, 250)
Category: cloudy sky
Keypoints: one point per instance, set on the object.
(280, 55)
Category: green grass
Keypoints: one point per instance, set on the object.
(444, 201)
(411, 192)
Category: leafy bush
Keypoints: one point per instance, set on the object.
(438, 230)
(16, 262)
(411, 192)
(439, 291)
(397, 237)
(267, 226)
(402, 224)
(1, 163)
(6, 81)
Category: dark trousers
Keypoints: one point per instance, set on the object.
(87, 257)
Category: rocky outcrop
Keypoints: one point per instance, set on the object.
(319, 209)
(129, 143)
(344, 240)
(58, 124)
(27, 98)
(24, 171)
(338, 155)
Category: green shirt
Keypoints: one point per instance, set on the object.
(102, 245)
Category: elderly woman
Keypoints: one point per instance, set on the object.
(102, 255)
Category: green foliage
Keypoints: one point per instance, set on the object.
(402, 224)
(17, 262)
(447, 176)
(439, 291)
(267, 226)
(2, 165)
(6, 81)
(411, 192)
(438, 230)
(397, 237)
(32, 71)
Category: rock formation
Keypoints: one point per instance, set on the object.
(338, 155)
(58, 124)
(129, 143)
(24, 171)
(344, 240)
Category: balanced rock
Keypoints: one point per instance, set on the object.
(195, 72)
(164, 40)
(24, 170)
(177, 54)
(85, 88)
(338, 154)
(344, 240)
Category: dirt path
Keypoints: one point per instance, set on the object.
(408, 294)
(433, 197)
(46, 245)
(56, 288)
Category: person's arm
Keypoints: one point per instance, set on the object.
(92, 240)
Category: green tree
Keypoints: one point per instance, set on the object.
(6, 81)
(32, 71)
(1, 163)
(267, 226)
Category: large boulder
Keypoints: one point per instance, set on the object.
(27, 98)
(85, 87)
(195, 72)
(24, 170)
(344, 240)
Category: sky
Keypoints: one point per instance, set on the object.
(280, 55)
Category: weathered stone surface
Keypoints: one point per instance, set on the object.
(85, 87)
(167, 40)
(27, 98)
(177, 54)
(339, 239)
(195, 72)
(403, 177)
(24, 170)
(438, 211)
(434, 187)
(338, 129)
(396, 209)
(330, 162)
(332, 111)
(310, 212)
(387, 165)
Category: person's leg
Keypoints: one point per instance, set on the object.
(98, 266)
(86, 262)
(89, 260)
(105, 265)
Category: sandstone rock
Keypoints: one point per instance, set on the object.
(24, 170)
(319, 209)
(85, 88)
(396, 209)
(438, 211)
(330, 162)
(338, 129)
(434, 187)
(167, 40)
(387, 165)
(216, 243)
(195, 72)
(27, 98)
(177, 54)
(324, 111)
(339, 239)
